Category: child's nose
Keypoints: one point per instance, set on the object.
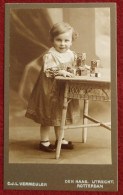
(62, 42)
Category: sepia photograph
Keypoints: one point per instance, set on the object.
(58, 92)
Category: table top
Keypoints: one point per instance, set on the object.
(84, 79)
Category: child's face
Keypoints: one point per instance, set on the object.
(62, 42)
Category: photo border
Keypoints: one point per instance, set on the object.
(107, 170)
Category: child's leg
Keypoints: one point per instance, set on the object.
(45, 143)
(44, 133)
(65, 144)
(57, 129)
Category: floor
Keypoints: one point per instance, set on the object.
(24, 138)
(24, 147)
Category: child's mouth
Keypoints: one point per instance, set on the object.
(62, 48)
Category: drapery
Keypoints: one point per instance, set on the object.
(28, 40)
(29, 32)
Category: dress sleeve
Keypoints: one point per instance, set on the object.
(51, 68)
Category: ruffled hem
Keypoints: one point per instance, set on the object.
(49, 121)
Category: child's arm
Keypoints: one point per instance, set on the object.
(64, 73)
(51, 68)
(52, 72)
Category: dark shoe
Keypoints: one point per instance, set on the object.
(68, 146)
(49, 148)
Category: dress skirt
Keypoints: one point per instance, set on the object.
(46, 102)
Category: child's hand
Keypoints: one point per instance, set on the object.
(65, 73)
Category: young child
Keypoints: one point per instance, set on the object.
(45, 104)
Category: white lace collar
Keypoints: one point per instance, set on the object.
(56, 53)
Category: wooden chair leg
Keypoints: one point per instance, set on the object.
(85, 121)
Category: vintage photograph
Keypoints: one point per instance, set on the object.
(58, 76)
(71, 43)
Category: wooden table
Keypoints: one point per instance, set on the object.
(85, 88)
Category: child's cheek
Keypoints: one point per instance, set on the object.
(70, 43)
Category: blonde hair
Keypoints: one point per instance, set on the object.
(60, 28)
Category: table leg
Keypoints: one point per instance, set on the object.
(64, 112)
(85, 121)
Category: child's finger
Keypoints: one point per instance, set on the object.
(64, 75)
(71, 75)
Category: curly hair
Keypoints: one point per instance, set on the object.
(60, 28)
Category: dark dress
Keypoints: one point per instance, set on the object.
(46, 100)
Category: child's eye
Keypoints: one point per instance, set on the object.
(66, 40)
(58, 39)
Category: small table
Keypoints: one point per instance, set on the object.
(85, 88)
